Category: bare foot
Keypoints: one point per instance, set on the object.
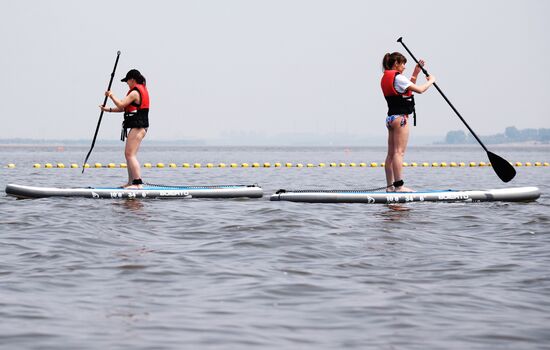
(403, 189)
(390, 189)
(132, 187)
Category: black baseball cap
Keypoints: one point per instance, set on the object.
(132, 74)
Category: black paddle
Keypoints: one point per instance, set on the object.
(504, 170)
(101, 114)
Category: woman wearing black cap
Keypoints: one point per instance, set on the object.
(136, 118)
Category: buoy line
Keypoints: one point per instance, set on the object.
(161, 165)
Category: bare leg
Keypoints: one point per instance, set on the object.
(388, 167)
(400, 137)
(133, 141)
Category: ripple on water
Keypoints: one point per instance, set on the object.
(273, 275)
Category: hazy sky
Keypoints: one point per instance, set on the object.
(243, 67)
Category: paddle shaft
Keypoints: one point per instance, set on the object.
(442, 94)
(101, 114)
(504, 170)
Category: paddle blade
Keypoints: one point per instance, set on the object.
(505, 171)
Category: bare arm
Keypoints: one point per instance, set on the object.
(121, 104)
(420, 88)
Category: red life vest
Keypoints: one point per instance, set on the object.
(398, 103)
(144, 97)
(136, 115)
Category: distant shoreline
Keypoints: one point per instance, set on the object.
(511, 136)
(154, 143)
(500, 144)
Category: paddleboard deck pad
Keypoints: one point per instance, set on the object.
(515, 194)
(147, 191)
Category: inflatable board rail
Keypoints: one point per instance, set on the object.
(514, 194)
(148, 191)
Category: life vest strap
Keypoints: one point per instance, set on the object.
(123, 133)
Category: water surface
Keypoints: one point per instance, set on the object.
(250, 273)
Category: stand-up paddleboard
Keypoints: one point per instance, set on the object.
(515, 194)
(148, 191)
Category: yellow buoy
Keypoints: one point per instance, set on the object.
(310, 165)
(48, 165)
(277, 165)
(98, 165)
(299, 165)
(221, 165)
(288, 165)
(60, 165)
(111, 165)
(11, 165)
(374, 165)
(267, 165)
(443, 165)
(186, 165)
(244, 165)
(538, 163)
(147, 165)
(453, 164)
(322, 165)
(36, 165)
(435, 164)
(255, 165)
(413, 164)
(482, 164)
(473, 164)
(209, 165)
(519, 164)
(527, 163)
(86, 166)
(352, 164)
(234, 165)
(342, 165)
(123, 165)
(172, 165)
(362, 165)
(197, 165)
(332, 164)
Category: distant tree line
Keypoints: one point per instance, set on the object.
(510, 135)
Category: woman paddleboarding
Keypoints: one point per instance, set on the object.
(398, 91)
(136, 121)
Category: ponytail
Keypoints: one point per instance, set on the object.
(141, 80)
(390, 59)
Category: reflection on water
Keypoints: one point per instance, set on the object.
(396, 212)
(133, 205)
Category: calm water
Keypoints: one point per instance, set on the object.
(254, 274)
